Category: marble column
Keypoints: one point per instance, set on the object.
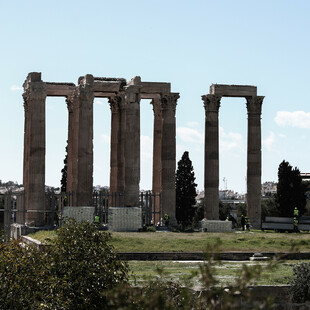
(115, 143)
(34, 149)
(121, 146)
(168, 155)
(254, 160)
(117, 148)
(211, 200)
(72, 105)
(132, 146)
(157, 141)
(83, 128)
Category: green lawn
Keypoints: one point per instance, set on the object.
(226, 272)
(256, 241)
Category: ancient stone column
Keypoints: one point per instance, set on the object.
(72, 143)
(168, 155)
(121, 146)
(132, 144)
(115, 143)
(211, 200)
(157, 141)
(82, 169)
(254, 160)
(117, 103)
(34, 148)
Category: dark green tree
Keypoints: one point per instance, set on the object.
(63, 180)
(185, 191)
(290, 190)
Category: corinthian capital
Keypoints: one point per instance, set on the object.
(169, 101)
(116, 102)
(71, 100)
(156, 103)
(254, 104)
(212, 103)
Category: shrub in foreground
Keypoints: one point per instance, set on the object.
(80, 271)
(300, 284)
(72, 274)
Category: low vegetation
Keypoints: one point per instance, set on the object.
(225, 272)
(80, 271)
(256, 241)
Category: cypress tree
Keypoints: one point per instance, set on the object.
(185, 191)
(290, 190)
(63, 180)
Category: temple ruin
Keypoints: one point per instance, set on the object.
(124, 98)
(212, 103)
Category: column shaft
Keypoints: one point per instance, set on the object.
(157, 141)
(132, 146)
(115, 143)
(83, 122)
(211, 200)
(71, 152)
(168, 155)
(254, 160)
(121, 147)
(34, 149)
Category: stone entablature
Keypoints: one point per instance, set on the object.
(233, 90)
(124, 99)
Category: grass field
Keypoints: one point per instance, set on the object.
(256, 241)
(226, 272)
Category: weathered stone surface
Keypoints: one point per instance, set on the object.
(254, 160)
(59, 89)
(34, 148)
(132, 143)
(157, 147)
(211, 105)
(215, 226)
(233, 90)
(168, 155)
(125, 219)
(155, 88)
(79, 213)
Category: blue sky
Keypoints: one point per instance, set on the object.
(190, 44)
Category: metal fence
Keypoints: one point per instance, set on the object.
(152, 211)
(13, 208)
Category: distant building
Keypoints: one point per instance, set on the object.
(269, 189)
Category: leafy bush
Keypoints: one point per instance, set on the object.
(72, 274)
(300, 284)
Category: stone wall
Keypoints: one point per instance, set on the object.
(125, 219)
(216, 226)
(80, 214)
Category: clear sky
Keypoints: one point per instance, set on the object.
(190, 44)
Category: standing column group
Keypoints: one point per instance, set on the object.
(125, 140)
(254, 162)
